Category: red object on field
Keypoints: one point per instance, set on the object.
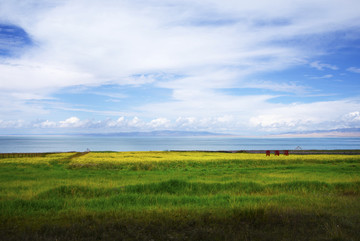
(277, 153)
(286, 153)
(267, 153)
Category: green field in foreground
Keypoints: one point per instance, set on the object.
(179, 196)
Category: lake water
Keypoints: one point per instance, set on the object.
(13, 144)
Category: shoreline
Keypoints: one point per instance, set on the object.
(291, 152)
(296, 152)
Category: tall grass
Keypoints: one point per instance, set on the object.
(197, 195)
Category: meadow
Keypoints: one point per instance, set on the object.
(179, 196)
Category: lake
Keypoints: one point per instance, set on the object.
(15, 144)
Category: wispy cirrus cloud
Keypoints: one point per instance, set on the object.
(190, 50)
(354, 70)
(322, 66)
(327, 76)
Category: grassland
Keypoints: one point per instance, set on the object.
(179, 196)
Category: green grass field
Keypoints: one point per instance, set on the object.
(179, 196)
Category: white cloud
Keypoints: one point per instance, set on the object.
(29, 76)
(12, 124)
(71, 122)
(322, 66)
(185, 122)
(290, 87)
(160, 123)
(118, 123)
(115, 40)
(327, 76)
(352, 117)
(20, 106)
(354, 70)
(194, 49)
(135, 122)
(274, 118)
(319, 115)
(46, 124)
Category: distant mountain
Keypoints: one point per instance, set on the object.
(341, 132)
(346, 130)
(158, 133)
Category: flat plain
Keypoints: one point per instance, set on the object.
(179, 196)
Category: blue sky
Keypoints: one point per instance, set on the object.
(240, 67)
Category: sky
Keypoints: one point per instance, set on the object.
(238, 67)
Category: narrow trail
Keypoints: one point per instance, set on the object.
(78, 154)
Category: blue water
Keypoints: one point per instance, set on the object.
(13, 144)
